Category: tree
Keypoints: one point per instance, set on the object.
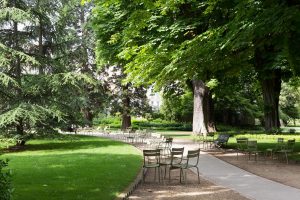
(261, 35)
(33, 81)
(124, 98)
(108, 22)
(289, 101)
(177, 103)
(151, 41)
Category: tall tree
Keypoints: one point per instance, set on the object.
(262, 35)
(33, 80)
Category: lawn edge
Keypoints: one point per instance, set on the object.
(132, 186)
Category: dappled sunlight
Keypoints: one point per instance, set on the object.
(99, 167)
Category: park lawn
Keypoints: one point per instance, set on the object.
(177, 134)
(81, 168)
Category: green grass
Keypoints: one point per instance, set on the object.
(177, 134)
(265, 141)
(85, 168)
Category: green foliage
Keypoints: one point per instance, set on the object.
(5, 181)
(157, 124)
(178, 107)
(47, 77)
(289, 101)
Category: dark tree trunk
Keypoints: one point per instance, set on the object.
(126, 118)
(88, 115)
(271, 87)
(87, 111)
(41, 49)
(203, 118)
(126, 121)
(18, 72)
(270, 80)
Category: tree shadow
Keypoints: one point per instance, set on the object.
(74, 176)
(62, 145)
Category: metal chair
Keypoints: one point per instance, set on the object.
(192, 160)
(221, 141)
(175, 158)
(241, 146)
(279, 146)
(151, 160)
(287, 149)
(166, 146)
(208, 140)
(252, 149)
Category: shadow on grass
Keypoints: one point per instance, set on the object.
(81, 143)
(73, 176)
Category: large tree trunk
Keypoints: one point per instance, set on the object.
(199, 122)
(271, 87)
(88, 115)
(270, 80)
(18, 72)
(87, 111)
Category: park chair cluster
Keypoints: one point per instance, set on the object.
(159, 161)
(280, 151)
(209, 141)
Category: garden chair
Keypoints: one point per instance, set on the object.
(166, 146)
(241, 146)
(174, 159)
(287, 149)
(252, 149)
(221, 141)
(208, 140)
(151, 160)
(192, 161)
(278, 147)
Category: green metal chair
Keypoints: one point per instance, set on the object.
(175, 157)
(166, 146)
(241, 146)
(287, 149)
(279, 146)
(192, 161)
(208, 140)
(252, 149)
(151, 160)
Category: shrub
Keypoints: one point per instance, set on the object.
(5, 182)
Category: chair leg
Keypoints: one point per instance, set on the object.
(185, 178)
(158, 174)
(169, 175)
(286, 157)
(144, 174)
(180, 175)
(155, 174)
(198, 174)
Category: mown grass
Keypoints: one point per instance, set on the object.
(264, 141)
(84, 168)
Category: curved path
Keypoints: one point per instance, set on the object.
(241, 181)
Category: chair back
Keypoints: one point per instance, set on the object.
(252, 145)
(176, 155)
(169, 140)
(193, 154)
(151, 157)
(280, 144)
(290, 145)
(241, 143)
(223, 138)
